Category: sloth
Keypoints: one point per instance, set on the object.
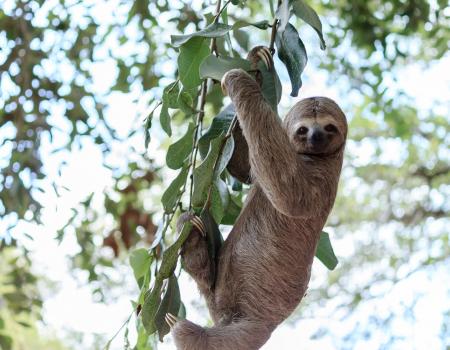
(264, 265)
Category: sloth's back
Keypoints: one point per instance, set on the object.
(262, 262)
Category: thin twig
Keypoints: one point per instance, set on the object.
(274, 32)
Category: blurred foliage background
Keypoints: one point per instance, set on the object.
(391, 218)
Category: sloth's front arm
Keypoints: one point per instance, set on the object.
(274, 163)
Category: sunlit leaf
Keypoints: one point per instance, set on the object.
(283, 14)
(213, 30)
(179, 151)
(170, 195)
(305, 12)
(170, 95)
(292, 53)
(191, 55)
(140, 261)
(325, 251)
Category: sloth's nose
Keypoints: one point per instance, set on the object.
(317, 137)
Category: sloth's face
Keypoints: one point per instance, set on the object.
(316, 126)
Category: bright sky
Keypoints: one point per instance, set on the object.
(72, 307)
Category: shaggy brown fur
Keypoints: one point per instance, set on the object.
(265, 263)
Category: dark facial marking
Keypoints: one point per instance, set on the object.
(331, 128)
(303, 130)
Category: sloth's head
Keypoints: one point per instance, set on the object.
(316, 126)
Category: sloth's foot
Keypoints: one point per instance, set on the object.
(171, 320)
(260, 53)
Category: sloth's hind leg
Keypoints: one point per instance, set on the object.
(194, 253)
(238, 335)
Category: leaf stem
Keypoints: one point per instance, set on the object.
(274, 32)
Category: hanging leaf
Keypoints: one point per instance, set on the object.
(140, 261)
(220, 124)
(191, 55)
(214, 242)
(271, 86)
(152, 300)
(185, 103)
(182, 311)
(203, 174)
(170, 304)
(180, 150)
(325, 251)
(170, 95)
(153, 297)
(219, 199)
(305, 12)
(283, 14)
(227, 152)
(214, 30)
(215, 67)
(231, 212)
(164, 119)
(170, 195)
(147, 127)
(292, 53)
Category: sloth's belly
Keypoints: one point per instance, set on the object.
(266, 262)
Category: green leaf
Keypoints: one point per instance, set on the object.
(182, 311)
(241, 24)
(191, 55)
(271, 86)
(325, 251)
(147, 127)
(214, 30)
(140, 261)
(170, 95)
(170, 304)
(180, 150)
(215, 67)
(292, 53)
(219, 125)
(185, 102)
(170, 195)
(307, 13)
(204, 174)
(164, 119)
(225, 157)
(283, 14)
(232, 212)
(219, 200)
(150, 307)
(214, 242)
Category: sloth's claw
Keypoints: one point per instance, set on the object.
(171, 320)
(265, 55)
(198, 224)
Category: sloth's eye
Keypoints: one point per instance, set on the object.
(330, 128)
(302, 130)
